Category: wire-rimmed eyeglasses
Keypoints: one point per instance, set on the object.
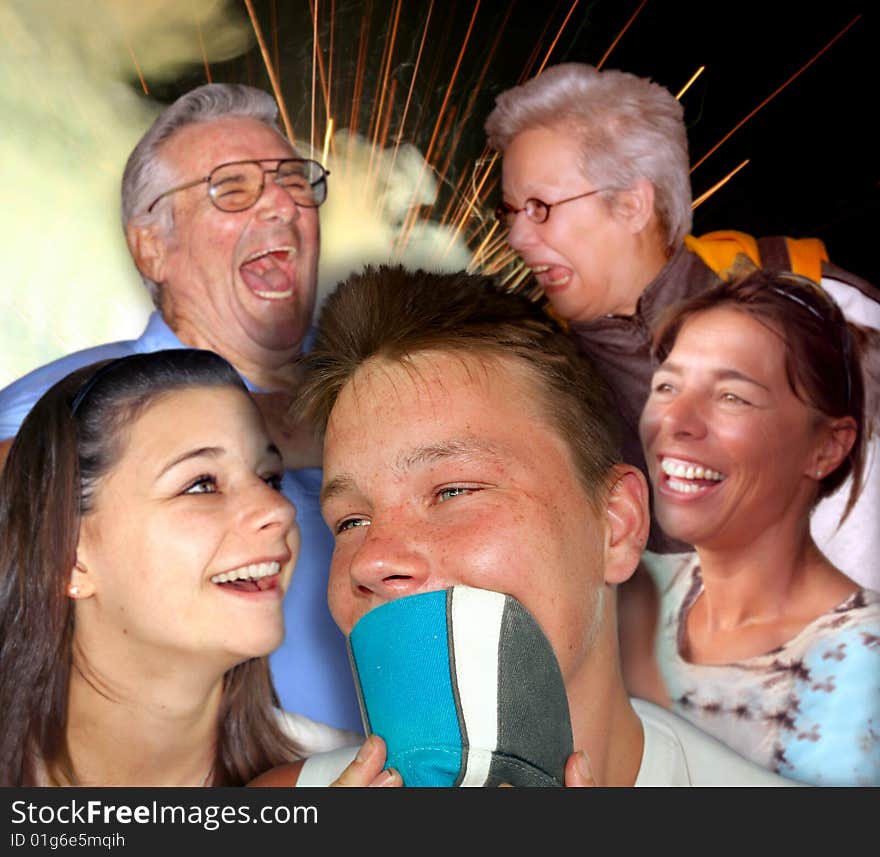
(237, 185)
(536, 209)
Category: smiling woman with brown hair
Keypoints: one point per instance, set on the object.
(756, 412)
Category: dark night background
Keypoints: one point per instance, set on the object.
(813, 167)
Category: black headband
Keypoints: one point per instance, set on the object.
(96, 376)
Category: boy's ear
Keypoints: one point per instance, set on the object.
(628, 523)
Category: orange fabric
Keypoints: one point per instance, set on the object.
(807, 256)
(720, 249)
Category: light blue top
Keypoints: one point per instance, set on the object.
(310, 669)
(808, 710)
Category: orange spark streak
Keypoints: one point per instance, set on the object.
(377, 96)
(274, 24)
(137, 68)
(360, 68)
(416, 67)
(690, 83)
(704, 196)
(386, 71)
(273, 78)
(409, 93)
(430, 85)
(325, 84)
(382, 140)
(558, 36)
(533, 57)
(530, 62)
(358, 80)
(378, 113)
(626, 26)
(328, 136)
(519, 276)
(463, 205)
(773, 94)
(498, 255)
(468, 109)
(315, 55)
(318, 66)
(204, 51)
(447, 126)
(487, 156)
(411, 216)
(481, 247)
(330, 111)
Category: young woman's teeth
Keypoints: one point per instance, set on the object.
(248, 572)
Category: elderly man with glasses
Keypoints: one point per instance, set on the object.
(221, 218)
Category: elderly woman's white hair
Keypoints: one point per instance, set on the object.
(627, 128)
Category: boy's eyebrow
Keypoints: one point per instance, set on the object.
(341, 484)
(469, 448)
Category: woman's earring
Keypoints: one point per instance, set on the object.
(73, 590)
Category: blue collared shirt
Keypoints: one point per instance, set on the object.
(310, 669)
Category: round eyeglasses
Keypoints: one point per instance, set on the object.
(536, 209)
(238, 185)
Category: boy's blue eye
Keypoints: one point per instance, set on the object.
(452, 491)
(351, 523)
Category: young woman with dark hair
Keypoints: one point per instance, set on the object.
(146, 551)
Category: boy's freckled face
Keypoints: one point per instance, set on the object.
(445, 471)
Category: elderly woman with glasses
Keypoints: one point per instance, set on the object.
(756, 412)
(596, 196)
